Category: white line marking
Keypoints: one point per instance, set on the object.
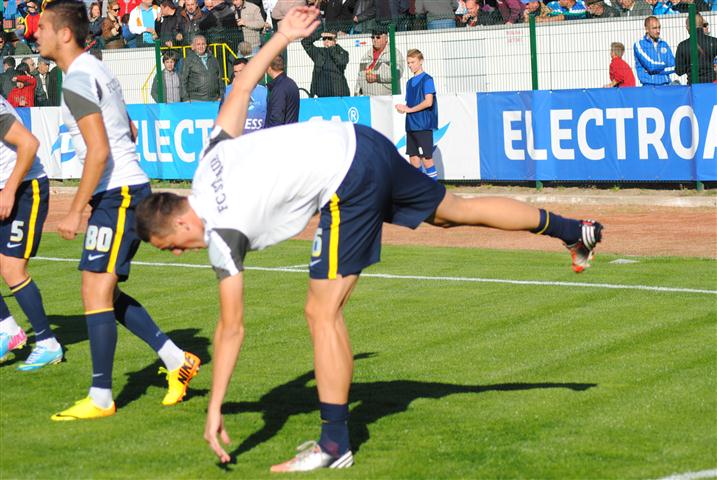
(612, 286)
(692, 475)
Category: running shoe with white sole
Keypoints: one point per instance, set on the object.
(583, 251)
(39, 357)
(311, 457)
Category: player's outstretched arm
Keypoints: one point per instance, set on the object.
(298, 23)
(26, 146)
(228, 339)
(93, 132)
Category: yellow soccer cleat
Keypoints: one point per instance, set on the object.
(179, 378)
(83, 410)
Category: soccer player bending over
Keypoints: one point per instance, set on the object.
(24, 193)
(357, 180)
(113, 184)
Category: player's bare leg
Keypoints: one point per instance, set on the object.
(333, 364)
(579, 236)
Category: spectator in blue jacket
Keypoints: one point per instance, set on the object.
(654, 61)
(283, 103)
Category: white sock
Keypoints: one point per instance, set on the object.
(171, 355)
(9, 326)
(49, 343)
(101, 396)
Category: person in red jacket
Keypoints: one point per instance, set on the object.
(32, 20)
(23, 93)
(620, 72)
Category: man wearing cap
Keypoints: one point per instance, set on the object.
(375, 75)
(598, 9)
(707, 51)
(330, 62)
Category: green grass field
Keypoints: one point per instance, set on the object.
(454, 378)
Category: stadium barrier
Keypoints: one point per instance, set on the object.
(649, 134)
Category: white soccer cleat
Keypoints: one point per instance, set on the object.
(311, 457)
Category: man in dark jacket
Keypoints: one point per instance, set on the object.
(219, 24)
(169, 25)
(706, 53)
(191, 18)
(201, 78)
(330, 62)
(283, 103)
(339, 14)
(9, 71)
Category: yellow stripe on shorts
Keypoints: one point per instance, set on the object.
(33, 217)
(334, 240)
(119, 231)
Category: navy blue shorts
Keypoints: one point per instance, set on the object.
(419, 143)
(21, 232)
(111, 240)
(379, 187)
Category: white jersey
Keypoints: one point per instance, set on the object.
(8, 157)
(89, 87)
(260, 189)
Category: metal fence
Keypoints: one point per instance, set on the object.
(549, 55)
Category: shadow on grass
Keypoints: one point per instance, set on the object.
(375, 401)
(139, 382)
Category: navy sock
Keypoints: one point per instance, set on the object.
(4, 311)
(130, 313)
(334, 438)
(102, 330)
(566, 229)
(30, 300)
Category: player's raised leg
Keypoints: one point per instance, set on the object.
(333, 365)
(579, 236)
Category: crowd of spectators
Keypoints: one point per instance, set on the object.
(193, 73)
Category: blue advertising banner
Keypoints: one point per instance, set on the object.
(628, 134)
(347, 109)
(171, 136)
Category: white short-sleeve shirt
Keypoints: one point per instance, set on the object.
(8, 155)
(260, 189)
(90, 87)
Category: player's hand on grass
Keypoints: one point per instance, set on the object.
(214, 430)
(68, 226)
(7, 200)
(299, 22)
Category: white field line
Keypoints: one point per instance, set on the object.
(612, 286)
(692, 475)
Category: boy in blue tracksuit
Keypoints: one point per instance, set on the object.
(654, 61)
(421, 111)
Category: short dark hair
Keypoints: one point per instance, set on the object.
(23, 68)
(169, 55)
(154, 214)
(278, 64)
(10, 62)
(71, 14)
(239, 60)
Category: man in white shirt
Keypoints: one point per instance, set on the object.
(113, 184)
(357, 180)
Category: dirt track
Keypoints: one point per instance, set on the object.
(629, 229)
